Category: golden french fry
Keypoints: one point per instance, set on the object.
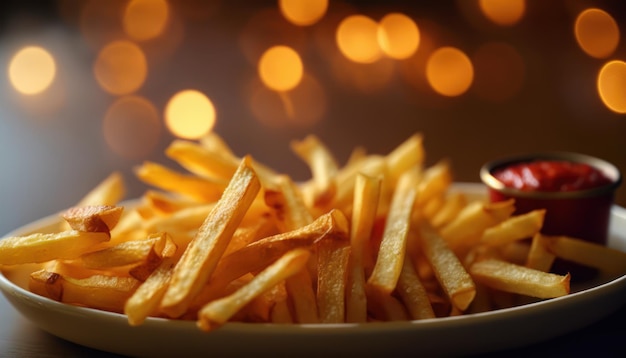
(216, 313)
(202, 161)
(203, 253)
(539, 256)
(413, 293)
(332, 269)
(452, 205)
(108, 192)
(514, 228)
(164, 203)
(385, 307)
(186, 219)
(39, 247)
(288, 205)
(372, 166)
(587, 253)
(300, 289)
(366, 194)
(107, 293)
(467, 228)
(508, 277)
(392, 250)
(245, 235)
(454, 279)
(260, 253)
(93, 218)
(409, 154)
(434, 182)
(147, 297)
(192, 186)
(129, 252)
(323, 166)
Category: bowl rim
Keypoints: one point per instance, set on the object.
(610, 170)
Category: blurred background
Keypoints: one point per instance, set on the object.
(89, 87)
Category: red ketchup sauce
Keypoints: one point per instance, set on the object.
(551, 176)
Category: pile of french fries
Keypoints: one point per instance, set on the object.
(225, 238)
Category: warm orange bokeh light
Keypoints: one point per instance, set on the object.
(503, 12)
(357, 38)
(398, 36)
(612, 85)
(597, 33)
(131, 127)
(32, 70)
(499, 71)
(121, 68)
(280, 68)
(190, 114)
(449, 71)
(303, 12)
(145, 19)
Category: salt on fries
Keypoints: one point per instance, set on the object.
(381, 238)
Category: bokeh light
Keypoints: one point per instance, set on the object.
(596, 32)
(303, 12)
(357, 39)
(612, 85)
(449, 71)
(503, 12)
(121, 67)
(280, 68)
(190, 114)
(398, 36)
(499, 71)
(145, 19)
(32, 70)
(267, 28)
(131, 127)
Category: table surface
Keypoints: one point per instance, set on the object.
(607, 337)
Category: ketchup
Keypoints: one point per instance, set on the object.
(552, 176)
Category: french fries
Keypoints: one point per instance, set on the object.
(381, 238)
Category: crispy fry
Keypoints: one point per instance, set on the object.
(453, 204)
(413, 293)
(300, 288)
(467, 228)
(539, 256)
(288, 205)
(202, 189)
(202, 255)
(366, 194)
(217, 312)
(454, 279)
(518, 279)
(514, 228)
(203, 161)
(145, 300)
(38, 247)
(323, 166)
(94, 218)
(260, 253)
(107, 293)
(332, 266)
(393, 245)
(409, 154)
(587, 253)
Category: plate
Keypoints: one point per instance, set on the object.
(462, 335)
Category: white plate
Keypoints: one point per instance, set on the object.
(462, 335)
